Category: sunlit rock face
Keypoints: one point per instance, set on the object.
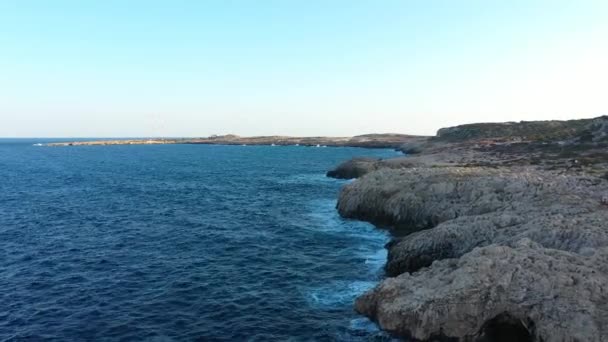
(539, 293)
(485, 248)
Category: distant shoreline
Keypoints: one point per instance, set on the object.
(367, 141)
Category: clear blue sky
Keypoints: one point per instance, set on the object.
(120, 68)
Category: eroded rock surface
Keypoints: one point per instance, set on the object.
(354, 168)
(472, 207)
(555, 295)
(498, 237)
(475, 214)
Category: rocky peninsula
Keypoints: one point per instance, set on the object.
(500, 232)
(368, 141)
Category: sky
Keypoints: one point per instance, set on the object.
(149, 68)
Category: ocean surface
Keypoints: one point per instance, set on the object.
(181, 243)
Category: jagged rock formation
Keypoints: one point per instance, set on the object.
(546, 294)
(353, 168)
(558, 145)
(472, 207)
(493, 238)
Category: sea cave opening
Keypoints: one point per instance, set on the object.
(506, 328)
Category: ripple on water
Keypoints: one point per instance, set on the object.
(366, 248)
(181, 242)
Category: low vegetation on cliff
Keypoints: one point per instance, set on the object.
(540, 131)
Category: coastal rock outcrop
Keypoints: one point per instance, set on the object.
(353, 168)
(448, 211)
(517, 292)
(500, 233)
(414, 146)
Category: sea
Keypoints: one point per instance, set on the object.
(181, 243)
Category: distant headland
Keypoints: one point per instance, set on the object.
(388, 140)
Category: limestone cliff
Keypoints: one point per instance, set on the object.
(498, 238)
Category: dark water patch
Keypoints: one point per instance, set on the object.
(180, 242)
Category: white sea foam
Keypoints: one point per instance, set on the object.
(339, 293)
(306, 178)
(370, 241)
(363, 324)
(324, 217)
(367, 245)
(376, 261)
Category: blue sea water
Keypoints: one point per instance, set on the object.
(180, 243)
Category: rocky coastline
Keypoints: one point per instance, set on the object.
(500, 232)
